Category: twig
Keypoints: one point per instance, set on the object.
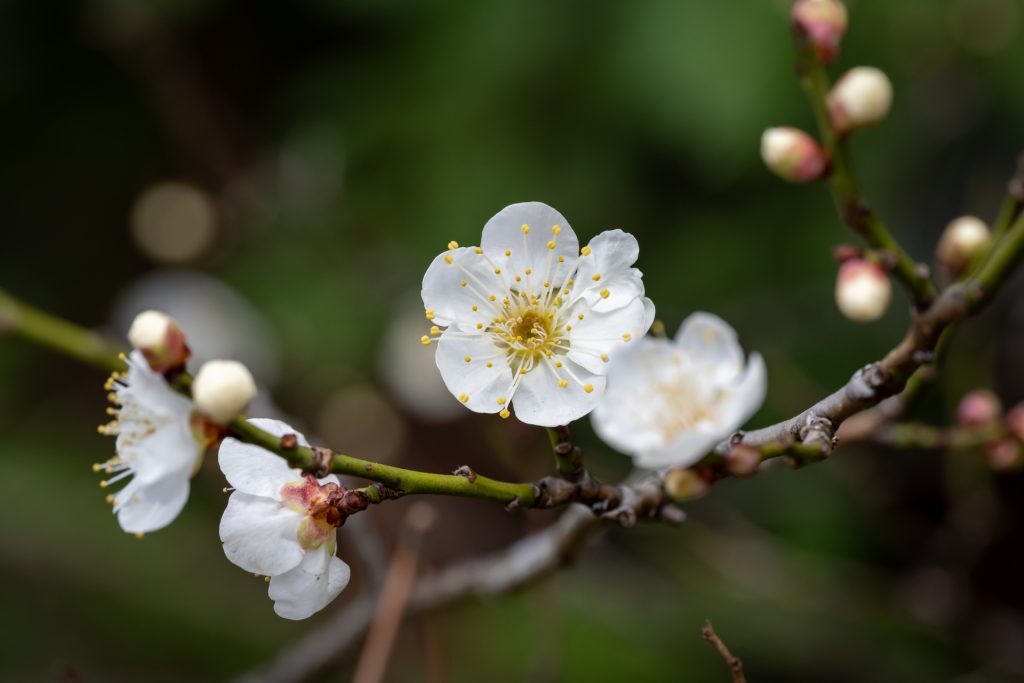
(525, 561)
(733, 662)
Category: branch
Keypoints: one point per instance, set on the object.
(852, 207)
(733, 662)
(524, 562)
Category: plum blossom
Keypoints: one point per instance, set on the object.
(283, 525)
(156, 446)
(530, 319)
(671, 401)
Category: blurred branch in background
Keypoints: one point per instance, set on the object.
(733, 662)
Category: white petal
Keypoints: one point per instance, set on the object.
(260, 535)
(255, 470)
(745, 395)
(311, 586)
(603, 333)
(686, 449)
(504, 232)
(142, 508)
(540, 400)
(153, 450)
(612, 254)
(710, 342)
(452, 301)
(482, 385)
(150, 391)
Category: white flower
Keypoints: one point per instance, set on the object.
(531, 318)
(282, 525)
(156, 447)
(222, 389)
(669, 402)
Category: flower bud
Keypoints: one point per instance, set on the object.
(1004, 454)
(160, 340)
(222, 389)
(861, 97)
(792, 154)
(1015, 421)
(742, 460)
(684, 484)
(977, 408)
(822, 23)
(863, 291)
(964, 240)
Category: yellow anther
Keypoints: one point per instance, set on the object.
(563, 383)
(585, 251)
(464, 398)
(589, 388)
(558, 364)
(561, 259)
(478, 251)
(448, 259)
(525, 228)
(568, 328)
(605, 293)
(508, 252)
(570, 282)
(104, 484)
(140, 535)
(551, 244)
(547, 284)
(479, 326)
(122, 356)
(523, 371)
(435, 330)
(579, 316)
(604, 357)
(497, 271)
(502, 400)
(109, 498)
(425, 340)
(596, 277)
(626, 336)
(518, 279)
(468, 358)
(473, 307)
(504, 413)
(492, 297)
(97, 467)
(555, 229)
(453, 245)
(528, 271)
(463, 283)
(490, 364)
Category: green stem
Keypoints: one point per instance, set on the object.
(91, 348)
(58, 335)
(1000, 264)
(567, 458)
(852, 208)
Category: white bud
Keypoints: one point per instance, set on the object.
(964, 239)
(149, 329)
(222, 389)
(861, 97)
(863, 291)
(792, 154)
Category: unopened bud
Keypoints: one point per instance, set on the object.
(1004, 454)
(845, 252)
(863, 291)
(978, 407)
(1015, 421)
(792, 154)
(963, 241)
(159, 339)
(822, 23)
(861, 97)
(683, 484)
(742, 460)
(222, 389)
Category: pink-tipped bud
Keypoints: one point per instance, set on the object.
(822, 23)
(793, 155)
(977, 408)
(963, 241)
(159, 339)
(1004, 454)
(863, 291)
(1015, 421)
(742, 460)
(861, 97)
(683, 484)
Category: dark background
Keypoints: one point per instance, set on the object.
(321, 153)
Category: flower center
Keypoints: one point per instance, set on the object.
(319, 504)
(528, 330)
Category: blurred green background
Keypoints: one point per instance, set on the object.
(278, 175)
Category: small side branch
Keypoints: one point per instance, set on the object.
(733, 662)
